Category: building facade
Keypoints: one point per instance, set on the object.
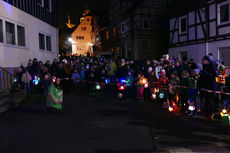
(137, 29)
(99, 31)
(28, 29)
(81, 37)
(202, 31)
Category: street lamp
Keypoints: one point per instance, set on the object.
(70, 40)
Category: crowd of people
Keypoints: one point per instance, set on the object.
(179, 86)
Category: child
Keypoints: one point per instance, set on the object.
(129, 83)
(45, 86)
(26, 80)
(152, 84)
(55, 97)
(76, 79)
(173, 89)
(193, 93)
(185, 81)
(162, 84)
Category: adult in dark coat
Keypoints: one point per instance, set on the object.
(207, 81)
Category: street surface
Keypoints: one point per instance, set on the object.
(101, 124)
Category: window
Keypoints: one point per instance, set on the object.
(41, 41)
(47, 4)
(224, 13)
(21, 36)
(153, 3)
(48, 43)
(40, 2)
(83, 28)
(146, 45)
(183, 25)
(146, 24)
(78, 47)
(1, 31)
(114, 31)
(107, 35)
(10, 33)
(123, 27)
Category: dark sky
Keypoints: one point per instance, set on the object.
(76, 7)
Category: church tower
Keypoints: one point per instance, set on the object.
(68, 24)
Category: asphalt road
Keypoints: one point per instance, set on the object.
(92, 124)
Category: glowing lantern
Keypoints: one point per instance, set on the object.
(170, 109)
(191, 108)
(161, 95)
(144, 81)
(107, 81)
(224, 113)
(156, 90)
(15, 79)
(154, 96)
(53, 79)
(146, 85)
(122, 88)
(120, 95)
(36, 80)
(98, 87)
(123, 81)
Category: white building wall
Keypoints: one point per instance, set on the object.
(196, 52)
(13, 55)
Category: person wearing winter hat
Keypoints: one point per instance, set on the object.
(208, 81)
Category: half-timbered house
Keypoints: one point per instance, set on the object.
(137, 29)
(202, 31)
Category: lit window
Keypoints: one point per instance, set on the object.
(146, 24)
(21, 36)
(224, 13)
(1, 31)
(10, 33)
(48, 43)
(153, 3)
(114, 31)
(107, 35)
(183, 25)
(41, 41)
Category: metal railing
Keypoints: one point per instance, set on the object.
(6, 81)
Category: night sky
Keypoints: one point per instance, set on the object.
(75, 8)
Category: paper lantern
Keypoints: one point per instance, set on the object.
(120, 95)
(161, 95)
(98, 87)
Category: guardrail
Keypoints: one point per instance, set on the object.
(6, 80)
